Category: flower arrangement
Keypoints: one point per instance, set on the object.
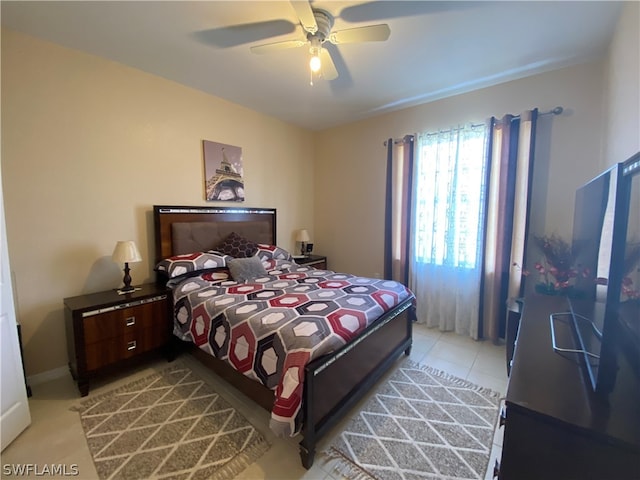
(558, 273)
(628, 289)
(556, 270)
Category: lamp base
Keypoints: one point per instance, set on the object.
(127, 282)
(124, 291)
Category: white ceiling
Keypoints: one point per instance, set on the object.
(436, 48)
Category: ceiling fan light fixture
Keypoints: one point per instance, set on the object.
(317, 25)
(315, 64)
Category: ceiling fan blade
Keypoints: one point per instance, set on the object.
(372, 33)
(306, 16)
(274, 47)
(234, 35)
(385, 10)
(329, 71)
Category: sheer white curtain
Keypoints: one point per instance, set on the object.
(445, 268)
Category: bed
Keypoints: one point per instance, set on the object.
(334, 363)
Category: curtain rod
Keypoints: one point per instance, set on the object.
(555, 111)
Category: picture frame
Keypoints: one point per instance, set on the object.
(223, 172)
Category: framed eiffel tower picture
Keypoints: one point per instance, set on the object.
(223, 172)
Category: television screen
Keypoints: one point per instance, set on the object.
(629, 309)
(593, 236)
(596, 249)
(591, 249)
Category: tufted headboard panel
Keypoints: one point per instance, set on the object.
(180, 229)
(187, 237)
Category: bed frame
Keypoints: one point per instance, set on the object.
(334, 382)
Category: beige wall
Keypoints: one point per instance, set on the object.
(350, 160)
(599, 127)
(89, 146)
(623, 106)
(623, 89)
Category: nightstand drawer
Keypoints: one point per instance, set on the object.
(117, 323)
(123, 347)
(107, 331)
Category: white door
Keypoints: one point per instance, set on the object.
(14, 415)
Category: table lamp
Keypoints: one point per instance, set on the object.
(302, 236)
(126, 252)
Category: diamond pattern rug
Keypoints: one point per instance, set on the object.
(169, 425)
(420, 424)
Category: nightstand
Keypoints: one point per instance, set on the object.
(316, 261)
(106, 331)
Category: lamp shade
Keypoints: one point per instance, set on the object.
(126, 252)
(302, 236)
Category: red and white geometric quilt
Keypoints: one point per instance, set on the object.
(271, 327)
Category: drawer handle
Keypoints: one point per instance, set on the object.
(131, 321)
(131, 345)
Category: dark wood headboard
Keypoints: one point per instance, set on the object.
(256, 224)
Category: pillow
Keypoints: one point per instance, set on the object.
(237, 246)
(191, 262)
(217, 275)
(271, 252)
(244, 269)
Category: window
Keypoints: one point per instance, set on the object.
(450, 184)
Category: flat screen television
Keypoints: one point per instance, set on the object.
(629, 306)
(601, 217)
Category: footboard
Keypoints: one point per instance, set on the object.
(334, 383)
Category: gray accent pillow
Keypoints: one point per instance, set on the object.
(245, 269)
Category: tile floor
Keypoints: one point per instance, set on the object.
(55, 435)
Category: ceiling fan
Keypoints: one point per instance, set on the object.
(317, 24)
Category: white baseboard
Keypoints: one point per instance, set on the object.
(47, 376)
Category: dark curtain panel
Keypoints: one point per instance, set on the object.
(388, 212)
(511, 164)
(398, 212)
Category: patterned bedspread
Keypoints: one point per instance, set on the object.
(270, 328)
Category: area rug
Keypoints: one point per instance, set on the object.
(169, 425)
(419, 424)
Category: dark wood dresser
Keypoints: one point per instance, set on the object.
(105, 330)
(555, 426)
